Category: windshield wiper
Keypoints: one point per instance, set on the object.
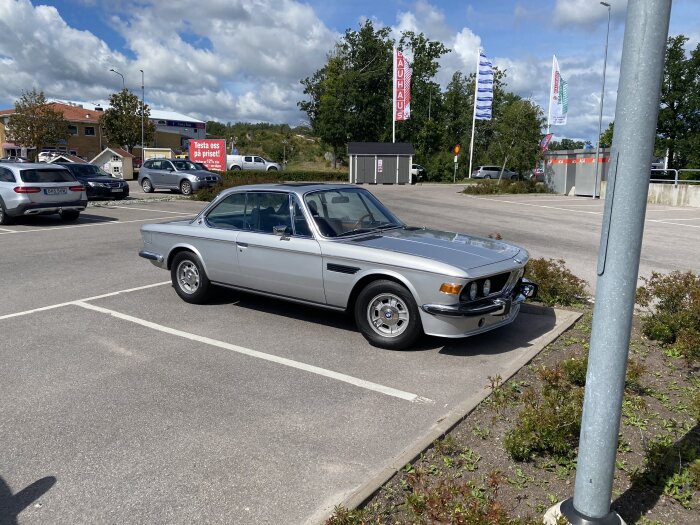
(356, 231)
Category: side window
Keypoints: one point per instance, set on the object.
(229, 213)
(248, 159)
(258, 159)
(153, 164)
(166, 165)
(6, 175)
(301, 227)
(267, 211)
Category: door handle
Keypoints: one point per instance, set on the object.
(242, 244)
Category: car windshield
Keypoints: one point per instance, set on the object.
(46, 175)
(343, 212)
(184, 165)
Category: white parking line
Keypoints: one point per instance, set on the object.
(145, 209)
(101, 223)
(407, 396)
(670, 221)
(4, 230)
(68, 303)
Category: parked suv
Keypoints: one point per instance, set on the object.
(98, 183)
(492, 172)
(38, 189)
(175, 174)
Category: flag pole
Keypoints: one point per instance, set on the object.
(476, 88)
(551, 86)
(393, 99)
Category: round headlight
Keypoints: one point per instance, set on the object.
(472, 291)
(487, 287)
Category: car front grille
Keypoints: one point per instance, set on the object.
(498, 283)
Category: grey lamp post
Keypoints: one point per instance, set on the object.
(600, 115)
(143, 109)
(118, 73)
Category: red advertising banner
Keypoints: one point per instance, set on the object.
(402, 91)
(210, 152)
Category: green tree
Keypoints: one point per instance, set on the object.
(122, 120)
(556, 145)
(606, 137)
(515, 141)
(36, 123)
(676, 105)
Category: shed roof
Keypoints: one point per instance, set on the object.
(380, 148)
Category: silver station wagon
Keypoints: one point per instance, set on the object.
(336, 246)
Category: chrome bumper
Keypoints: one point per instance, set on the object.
(495, 306)
(151, 256)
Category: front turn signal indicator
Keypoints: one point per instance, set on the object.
(451, 288)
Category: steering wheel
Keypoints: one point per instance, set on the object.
(358, 222)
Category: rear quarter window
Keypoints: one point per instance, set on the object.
(46, 175)
(6, 175)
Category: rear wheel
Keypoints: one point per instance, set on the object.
(235, 168)
(188, 277)
(387, 315)
(186, 187)
(147, 186)
(69, 215)
(272, 169)
(487, 176)
(4, 217)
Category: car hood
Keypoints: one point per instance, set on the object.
(456, 249)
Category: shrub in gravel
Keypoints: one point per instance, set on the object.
(672, 303)
(557, 285)
(493, 187)
(550, 421)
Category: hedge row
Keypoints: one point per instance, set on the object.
(241, 178)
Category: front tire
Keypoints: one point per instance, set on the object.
(272, 169)
(387, 316)
(146, 186)
(186, 187)
(188, 278)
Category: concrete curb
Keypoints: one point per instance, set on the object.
(565, 319)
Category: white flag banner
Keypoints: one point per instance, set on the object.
(484, 89)
(559, 96)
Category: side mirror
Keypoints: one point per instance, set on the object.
(280, 230)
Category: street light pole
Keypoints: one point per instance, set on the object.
(600, 115)
(143, 108)
(118, 73)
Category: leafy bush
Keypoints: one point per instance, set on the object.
(240, 178)
(557, 285)
(493, 187)
(672, 302)
(550, 422)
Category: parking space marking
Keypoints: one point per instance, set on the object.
(361, 383)
(4, 230)
(675, 223)
(519, 203)
(100, 223)
(69, 303)
(144, 209)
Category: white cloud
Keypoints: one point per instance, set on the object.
(584, 14)
(230, 60)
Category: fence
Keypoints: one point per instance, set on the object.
(675, 176)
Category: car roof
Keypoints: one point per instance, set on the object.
(31, 165)
(299, 188)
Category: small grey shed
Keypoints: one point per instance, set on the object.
(380, 162)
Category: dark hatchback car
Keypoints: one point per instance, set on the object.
(98, 183)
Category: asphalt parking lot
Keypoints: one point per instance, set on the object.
(123, 404)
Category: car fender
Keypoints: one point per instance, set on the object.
(181, 247)
(376, 274)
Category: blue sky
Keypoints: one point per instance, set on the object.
(241, 60)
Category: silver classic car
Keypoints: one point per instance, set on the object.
(336, 246)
